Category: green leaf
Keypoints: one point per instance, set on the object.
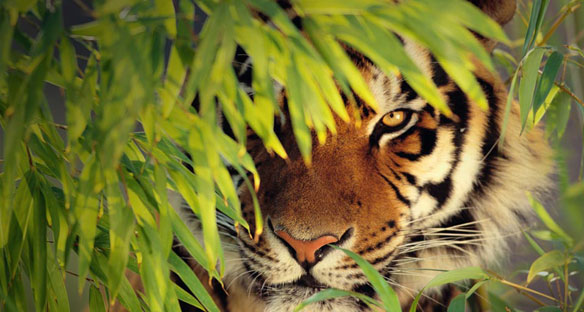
(165, 9)
(85, 209)
(450, 277)
(548, 221)
(548, 77)
(51, 30)
(458, 304)
(535, 20)
(529, 81)
(187, 239)
(127, 295)
(337, 7)
(58, 293)
(186, 297)
(474, 288)
(36, 240)
(341, 64)
(336, 293)
(186, 274)
(96, 303)
(579, 302)
(457, 275)
(533, 243)
(558, 114)
(68, 60)
(6, 33)
(547, 261)
(295, 106)
(498, 304)
(508, 105)
(165, 225)
(382, 288)
(120, 231)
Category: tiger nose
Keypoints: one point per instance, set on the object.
(306, 249)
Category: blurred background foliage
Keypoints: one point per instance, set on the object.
(96, 118)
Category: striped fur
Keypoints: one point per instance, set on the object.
(435, 195)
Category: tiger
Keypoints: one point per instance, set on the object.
(412, 191)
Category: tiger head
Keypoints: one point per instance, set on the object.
(410, 190)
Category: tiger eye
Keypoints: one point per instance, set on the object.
(394, 119)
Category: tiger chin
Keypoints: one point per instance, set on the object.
(411, 190)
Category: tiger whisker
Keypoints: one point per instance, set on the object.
(258, 274)
(434, 215)
(238, 276)
(410, 291)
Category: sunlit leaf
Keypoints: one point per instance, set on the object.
(336, 293)
(450, 277)
(547, 261)
(546, 82)
(95, 300)
(382, 288)
(529, 81)
(549, 221)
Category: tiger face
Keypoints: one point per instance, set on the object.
(410, 190)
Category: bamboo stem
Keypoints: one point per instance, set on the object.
(517, 286)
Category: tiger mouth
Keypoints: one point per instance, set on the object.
(308, 281)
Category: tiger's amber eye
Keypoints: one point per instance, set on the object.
(394, 119)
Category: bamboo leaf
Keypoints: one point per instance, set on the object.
(458, 304)
(548, 77)
(120, 231)
(165, 9)
(558, 114)
(535, 20)
(336, 293)
(68, 60)
(552, 259)
(549, 221)
(192, 282)
(58, 293)
(386, 294)
(186, 297)
(450, 277)
(95, 300)
(529, 81)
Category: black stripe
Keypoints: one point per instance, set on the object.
(440, 191)
(428, 140)
(365, 289)
(462, 217)
(408, 91)
(380, 244)
(489, 151)
(411, 179)
(363, 107)
(398, 194)
(358, 58)
(458, 103)
(439, 76)
(428, 144)
(395, 174)
(243, 75)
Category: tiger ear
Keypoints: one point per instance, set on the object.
(501, 11)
